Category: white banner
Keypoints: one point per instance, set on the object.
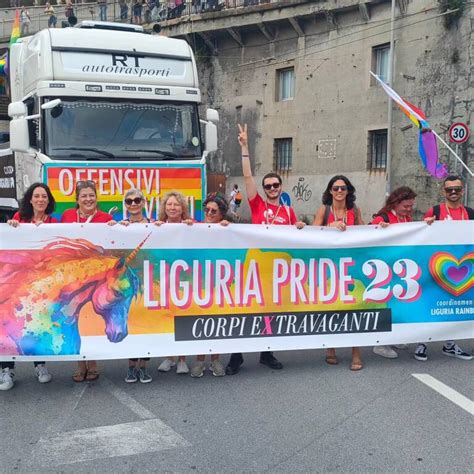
(72, 291)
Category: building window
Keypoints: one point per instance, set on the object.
(377, 149)
(283, 154)
(286, 84)
(380, 61)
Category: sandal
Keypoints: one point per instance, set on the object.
(331, 360)
(79, 375)
(357, 365)
(92, 374)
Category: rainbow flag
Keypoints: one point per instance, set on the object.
(16, 28)
(427, 146)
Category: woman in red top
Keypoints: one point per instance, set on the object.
(339, 211)
(86, 212)
(36, 207)
(398, 207)
(174, 210)
(397, 210)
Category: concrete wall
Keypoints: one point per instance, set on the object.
(335, 98)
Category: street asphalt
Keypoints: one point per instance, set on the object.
(308, 417)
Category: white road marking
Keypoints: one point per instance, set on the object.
(447, 392)
(150, 434)
(125, 439)
(126, 400)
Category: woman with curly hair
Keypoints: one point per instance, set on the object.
(174, 210)
(215, 211)
(397, 210)
(339, 211)
(36, 207)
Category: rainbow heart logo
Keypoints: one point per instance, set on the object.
(452, 274)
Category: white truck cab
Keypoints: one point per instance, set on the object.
(92, 101)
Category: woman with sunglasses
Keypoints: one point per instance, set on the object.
(215, 212)
(174, 210)
(86, 212)
(134, 201)
(339, 211)
(36, 207)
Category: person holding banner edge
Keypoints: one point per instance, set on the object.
(36, 208)
(86, 212)
(451, 209)
(268, 212)
(339, 211)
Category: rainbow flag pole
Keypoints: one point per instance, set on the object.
(427, 141)
(15, 29)
(13, 39)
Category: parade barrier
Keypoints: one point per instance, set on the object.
(91, 291)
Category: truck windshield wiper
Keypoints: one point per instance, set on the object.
(168, 154)
(95, 150)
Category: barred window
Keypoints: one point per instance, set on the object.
(377, 149)
(283, 154)
(286, 84)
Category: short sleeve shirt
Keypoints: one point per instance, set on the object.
(269, 214)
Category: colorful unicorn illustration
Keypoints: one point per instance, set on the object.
(43, 292)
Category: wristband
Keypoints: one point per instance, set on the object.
(245, 156)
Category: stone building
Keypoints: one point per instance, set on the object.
(297, 72)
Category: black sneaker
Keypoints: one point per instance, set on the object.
(131, 375)
(235, 361)
(268, 359)
(420, 353)
(456, 351)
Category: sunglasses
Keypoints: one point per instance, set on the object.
(211, 211)
(339, 188)
(454, 189)
(88, 183)
(130, 201)
(271, 186)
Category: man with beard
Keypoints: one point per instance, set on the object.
(451, 209)
(268, 211)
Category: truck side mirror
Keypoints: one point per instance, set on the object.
(211, 137)
(19, 134)
(212, 115)
(17, 109)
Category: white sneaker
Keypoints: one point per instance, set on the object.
(182, 367)
(217, 368)
(6, 379)
(42, 373)
(166, 365)
(385, 351)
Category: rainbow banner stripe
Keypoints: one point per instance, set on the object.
(114, 181)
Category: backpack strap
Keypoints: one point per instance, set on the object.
(470, 213)
(437, 211)
(385, 218)
(327, 210)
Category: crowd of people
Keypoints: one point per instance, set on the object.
(338, 210)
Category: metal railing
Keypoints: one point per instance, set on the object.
(124, 11)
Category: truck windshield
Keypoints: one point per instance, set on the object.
(112, 130)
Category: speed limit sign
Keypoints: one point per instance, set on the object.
(458, 132)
